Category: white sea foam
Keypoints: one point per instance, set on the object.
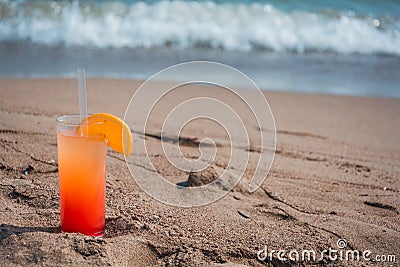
(183, 24)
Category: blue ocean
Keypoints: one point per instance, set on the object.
(349, 47)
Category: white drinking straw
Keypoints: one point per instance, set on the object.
(82, 95)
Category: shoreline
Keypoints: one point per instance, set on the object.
(139, 81)
(335, 176)
(346, 74)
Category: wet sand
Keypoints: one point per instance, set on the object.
(335, 176)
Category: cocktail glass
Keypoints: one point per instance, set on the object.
(82, 178)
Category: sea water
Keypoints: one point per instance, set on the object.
(341, 47)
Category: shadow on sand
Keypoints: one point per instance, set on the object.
(7, 229)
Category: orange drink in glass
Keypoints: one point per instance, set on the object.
(82, 145)
(82, 178)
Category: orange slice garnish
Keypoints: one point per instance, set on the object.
(115, 130)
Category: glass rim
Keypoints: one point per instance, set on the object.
(60, 120)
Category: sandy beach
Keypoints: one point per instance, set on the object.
(335, 176)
